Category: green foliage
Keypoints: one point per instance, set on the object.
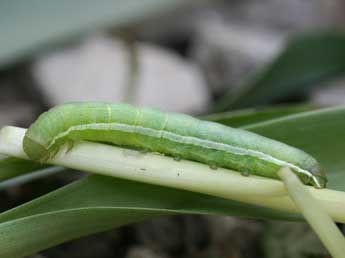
(304, 63)
(320, 133)
(13, 167)
(249, 116)
(98, 203)
(28, 26)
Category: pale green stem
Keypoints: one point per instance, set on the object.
(314, 213)
(161, 170)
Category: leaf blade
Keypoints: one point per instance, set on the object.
(320, 133)
(305, 62)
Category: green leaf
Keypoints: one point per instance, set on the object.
(304, 63)
(249, 116)
(27, 26)
(23, 237)
(98, 203)
(12, 167)
(321, 133)
(30, 175)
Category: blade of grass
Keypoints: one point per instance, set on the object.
(25, 178)
(314, 213)
(320, 133)
(305, 62)
(12, 167)
(99, 203)
(243, 117)
(25, 236)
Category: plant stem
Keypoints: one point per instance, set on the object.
(158, 169)
(314, 213)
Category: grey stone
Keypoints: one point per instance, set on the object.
(16, 113)
(288, 16)
(230, 53)
(200, 236)
(99, 70)
(330, 94)
(176, 235)
(232, 237)
(143, 252)
(290, 240)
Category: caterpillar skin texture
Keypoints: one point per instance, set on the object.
(176, 135)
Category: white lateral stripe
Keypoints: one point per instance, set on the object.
(189, 140)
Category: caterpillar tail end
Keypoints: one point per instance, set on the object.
(318, 180)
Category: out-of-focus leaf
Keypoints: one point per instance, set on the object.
(304, 63)
(26, 26)
(30, 175)
(12, 167)
(254, 115)
(98, 203)
(321, 133)
(48, 229)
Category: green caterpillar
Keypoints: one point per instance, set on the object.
(177, 135)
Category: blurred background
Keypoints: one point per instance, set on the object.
(195, 57)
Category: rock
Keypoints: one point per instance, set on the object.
(16, 113)
(177, 235)
(143, 252)
(288, 16)
(99, 70)
(232, 237)
(330, 94)
(106, 245)
(195, 236)
(37, 256)
(18, 105)
(230, 53)
(291, 240)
